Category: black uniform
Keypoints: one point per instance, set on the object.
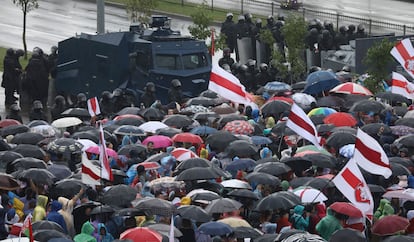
(37, 78)
(11, 74)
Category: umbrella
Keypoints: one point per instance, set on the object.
(47, 225)
(203, 195)
(195, 213)
(390, 225)
(266, 238)
(374, 188)
(246, 232)
(65, 145)
(367, 106)
(151, 114)
(298, 164)
(393, 98)
(235, 222)
(135, 148)
(319, 183)
(273, 168)
(129, 212)
(165, 229)
(276, 86)
(401, 130)
(194, 109)
(321, 160)
(282, 98)
(6, 157)
(156, 157)
(331, 101)
(44, 130)
(224, 109)
(152, 126)
(399, 170)
(406, 141)
(170, 132)
(407, 194)
(399, 238)
(59, 171)
(215, 228)
(129, 110)
(320, 81)
(96, 150)
(66, 122)
(128, 119)
(303, 100)
(27, 138)
(275, 108)
(37, 175)
(303, 237)
(225, 118)
(177, 121)
(310, 195)
(89, 135)
(203, 117)
(223, 205)
(66, 188)
(76, 112)
(239, 127)
(402, 161)
(150, 165)
(14, 129)
(262, 178)
(203, 130)
(129, 130)
(340, 119)
(241, 148)
(220, 140)
(282, 130)
(351, 88)
(193, 162)
(278, 200)
(187, 138)
(376, 129)
(141, 234)
(102, 209)
(203, 101)
(30, 151)
(409, 114)
(8, 122)
(339, 139)
(346, 235)
(197, 173)
(405, 121)
(346, 209)
(260, 140)
(25, 163)
(47, 234)
(325, 111)
(159, 141)
(236, 184)
(156, 206)
(243, 193)
(166, 183)
(241, 164)
(119, 196)
(8, 183)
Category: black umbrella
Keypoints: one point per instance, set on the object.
(193, 162)
(400, 110)
(376, 129)
(66, 188)
(321, 160)
(35, 123)
(80, 216)
(127, 149)
(170, 132)
(367, 106)
(223, 205)
(406, 141)
(244, 193)
(278, 200)
(275, 108)
(330, 101)
(47, 234)
(402, 161)
(156, 206)
(27, 138)
(299, 181)
(86, 135)
(225, 118)
(398, 238)
(129, 121)
(262, 178)
(205, 196)
(266, 238)
(129, 110)
(374, 188)
(344, 129)
(130, 212)
(76, 112)
(339, 139)
(164, 229)
(59, 170)
(6, 157)
(8, 183)
(195, 213)
(119, 196)
(319, 183)
(298, 164)
(25, 163)
(203, 117)
(346, 235)
(102, 209)
(14, 129)
(268, 159)
(203, 101)
(129, 130)
(317, 119)
(177, 121)
(281, 129)
(273, 168)
(47, 225)
(220, 140)
(325, 129)
(405, 121)
(198, 173)
(351, 99)
(246, 232)
(241, 148)
(393, 98)
(399, 170)
(65, 146)
(151, 114)
(37, 175)
(30, 151)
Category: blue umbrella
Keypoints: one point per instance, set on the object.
(203, 130)
(277, 87)
(241, 164)
(260, 140)
(319, 81)
(215, 228)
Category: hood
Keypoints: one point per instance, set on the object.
(329, 212)
(388, 210)
(101, 225)
(255, 113)
(18, 204)
(270, 123)
(299, 209)
(64, 201)
(55, 206)
(42, 201)
(382, 204)
(321, 210)
(87, 228)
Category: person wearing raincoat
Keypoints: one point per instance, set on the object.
(298, 220)
(86, 233)
(104, 236)
(383, 209)
(55, 216)
(328, 225)
(39, 213)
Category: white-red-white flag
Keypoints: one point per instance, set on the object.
(400, 85)
(93, 107)
(171, 236)
(106, 172)
(403, 52)
(370, 156)
(91, 174)
(229, 87)
(352, 184)
(299, 122)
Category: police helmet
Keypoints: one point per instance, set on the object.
(258, 21)
(19, 52)
(38, 50)
(10, 52)
(314, 69)
(327, 24)
(117, 92)
(251, 62)
(53, 49)
(59, 99)
(263, 67)
(106, 95)
(248, 16)
(346, 69)
(229, 15)
(176, 83)
(241, 17)
(226, 67)
(81, 97)
(235, 66)
(226, 51)
(343, 29)
(15, 107)
(37, 104)
(325, 33)
(361, 28)
(314, 31)
(150, 87)
(244, 68)
(351, 28)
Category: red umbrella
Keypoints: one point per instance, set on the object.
(8, 122)
(239, 127)
(390, 225)
(95, 150)
(160, 141)
(141, 234)
(150, 165)
(340, 119)
(351, 88)
(182, 154)
(131, 116)
(281, 98)
(187, 138)
(347, 209)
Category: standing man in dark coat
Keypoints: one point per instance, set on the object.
(11, 74)
(228, 28)
(37, 77)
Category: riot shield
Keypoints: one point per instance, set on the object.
(244, 49)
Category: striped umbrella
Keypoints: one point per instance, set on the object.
(351, 88)
(182, 154)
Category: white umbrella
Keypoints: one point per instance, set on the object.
(66, 122)
(235, 183)
(303, 100)
(45, 130)
(310, 195)
(86, 143)
(152, 126)
(407, 194)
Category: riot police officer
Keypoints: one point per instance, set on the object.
(226, 59)
(175, 94)
(361, 32)
(312, 38)
(228, 28)
(351, 32)
(263, 76)
(341, 37)
(326, 41)
(148, 97)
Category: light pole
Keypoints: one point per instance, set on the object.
(100, 16)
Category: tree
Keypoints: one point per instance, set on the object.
(140, 10)
(378, 59)
(26, 6)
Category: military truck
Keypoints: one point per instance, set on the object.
(95, 63)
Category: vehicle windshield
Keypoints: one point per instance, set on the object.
(184, 62)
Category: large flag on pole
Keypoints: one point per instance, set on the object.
(403, 52)
(93, 107)
(402, 86)
(229, 87)
(106, 172)
(370, 156)
(299, 122)
(352, 184)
